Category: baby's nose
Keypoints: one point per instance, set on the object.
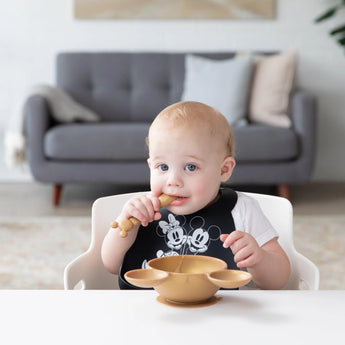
(175, 179)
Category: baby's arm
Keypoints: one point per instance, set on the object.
(145, 208)
(269, 265)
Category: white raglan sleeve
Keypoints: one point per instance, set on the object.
(248, 217)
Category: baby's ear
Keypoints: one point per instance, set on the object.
(227, 168)
(149, 162)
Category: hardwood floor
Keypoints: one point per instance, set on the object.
(319, 199)
(32, 199)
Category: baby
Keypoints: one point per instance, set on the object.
(191, 152)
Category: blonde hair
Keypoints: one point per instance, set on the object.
(193, 115)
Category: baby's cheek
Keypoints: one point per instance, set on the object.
(156, 186)
(204, 193)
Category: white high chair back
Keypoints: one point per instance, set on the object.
(87, 270)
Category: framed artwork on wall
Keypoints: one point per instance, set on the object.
(174, 9)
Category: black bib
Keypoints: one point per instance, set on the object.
(192, 234)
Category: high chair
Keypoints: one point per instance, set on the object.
(87, 270)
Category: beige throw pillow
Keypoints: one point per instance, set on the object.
(63, 107)
(273, 80)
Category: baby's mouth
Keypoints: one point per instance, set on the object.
(179, 200)
(180, 197)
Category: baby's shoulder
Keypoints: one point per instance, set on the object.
(246, 202)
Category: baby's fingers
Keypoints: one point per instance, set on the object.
(140, 208)
(229, 239)
(242, 257)
(155, 202)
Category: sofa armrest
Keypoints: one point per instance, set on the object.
(304, 122)
(38, 120)
(303, 112)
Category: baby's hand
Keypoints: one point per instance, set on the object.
(143, 207)
(246, 250)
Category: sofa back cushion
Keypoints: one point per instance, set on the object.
(125, 87)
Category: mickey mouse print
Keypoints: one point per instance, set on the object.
(181, 238)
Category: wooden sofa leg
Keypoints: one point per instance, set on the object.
(57, 194)
(284, 191)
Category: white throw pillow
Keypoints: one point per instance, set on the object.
(62, 106)
(273, 80)
(222, 84)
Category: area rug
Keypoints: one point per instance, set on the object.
(322, 240)
(35, 251)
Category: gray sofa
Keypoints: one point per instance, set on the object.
(127, 90)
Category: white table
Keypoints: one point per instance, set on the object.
(135, 317)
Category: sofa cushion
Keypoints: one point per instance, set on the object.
(106, 141)
(123, 86)
(262, 143)
(222, 84)
(273, 81)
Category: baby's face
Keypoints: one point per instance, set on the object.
(188, 164)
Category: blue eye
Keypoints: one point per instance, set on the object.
(191, 167)
(163, 167)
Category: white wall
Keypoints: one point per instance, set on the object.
(33, 31)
